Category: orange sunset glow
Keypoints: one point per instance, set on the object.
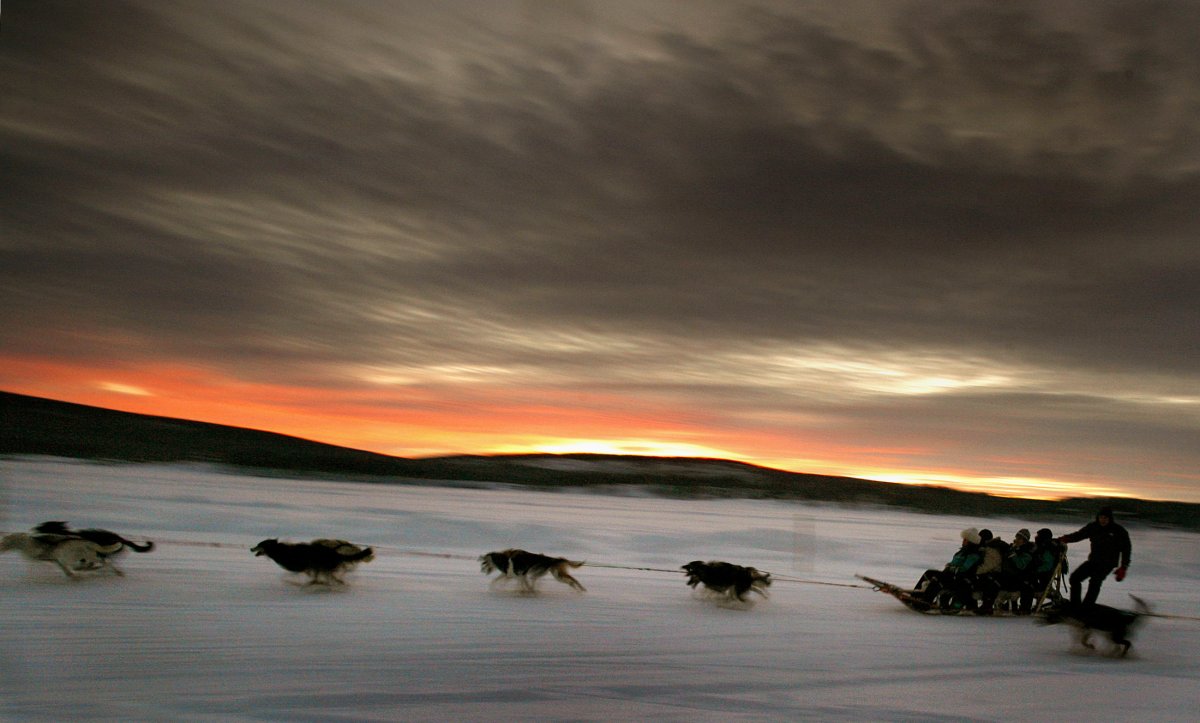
(418, 423)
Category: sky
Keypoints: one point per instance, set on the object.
(941, 243)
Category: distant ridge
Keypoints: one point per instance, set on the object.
(38, 426)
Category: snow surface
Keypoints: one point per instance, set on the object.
(201, 630)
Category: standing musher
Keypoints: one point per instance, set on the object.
(1110, 549)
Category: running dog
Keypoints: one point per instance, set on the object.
(726, 578)
(322, 559)
(1117, 623)
(104, 538)
(71, 554)
(527, 567)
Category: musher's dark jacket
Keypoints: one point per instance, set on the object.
(1110, 543)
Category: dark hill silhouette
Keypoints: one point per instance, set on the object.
(37, 426)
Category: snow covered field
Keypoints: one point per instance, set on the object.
(201, 630)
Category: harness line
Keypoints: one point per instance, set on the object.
(454, 556)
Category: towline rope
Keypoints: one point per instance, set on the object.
(454, 556)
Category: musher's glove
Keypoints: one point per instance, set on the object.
(1120, 574)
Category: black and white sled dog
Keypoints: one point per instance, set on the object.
(322, 559)
(1086, 619)
(106, 539)
(527, 567)
(734, 581)
(71, 554)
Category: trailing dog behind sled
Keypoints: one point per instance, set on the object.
(71, 554)
(1088, 618)
(322, 559)
(734, 581)
(527, 567)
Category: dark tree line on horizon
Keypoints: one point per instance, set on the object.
(37, 426)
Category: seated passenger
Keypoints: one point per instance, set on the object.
(1046, 553)
(952, 585)
(1016, 573)
(993, 550)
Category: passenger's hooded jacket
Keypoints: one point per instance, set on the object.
(992, 553)
(966, 560)
(1046, 553)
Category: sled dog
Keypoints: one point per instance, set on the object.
(322, 559)
(527, 567)
(104, 538)
(1118, 624)
(735, 581)
(71, 554)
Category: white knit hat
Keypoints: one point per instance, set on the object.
(971, 535)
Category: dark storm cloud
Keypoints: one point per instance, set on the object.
(801, 174)
(381, 183)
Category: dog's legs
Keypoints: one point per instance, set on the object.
(729, 598)
(1119, 637)
(742, 589)
(1125, 645)
(565, 577)
(66, 570)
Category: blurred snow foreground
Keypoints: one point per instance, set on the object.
(203, 630)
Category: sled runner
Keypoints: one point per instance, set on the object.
(903, 594)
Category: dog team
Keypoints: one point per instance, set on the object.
(325, 560)
(983, 573)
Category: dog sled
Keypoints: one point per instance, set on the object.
(914, 600)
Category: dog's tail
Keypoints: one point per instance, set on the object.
(1140, 606)
(572, 563)
(350, 553)
(101, 549)
(364, 555)
(146, 547)
(104, 538)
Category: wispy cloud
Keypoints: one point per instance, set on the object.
(808, 230)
